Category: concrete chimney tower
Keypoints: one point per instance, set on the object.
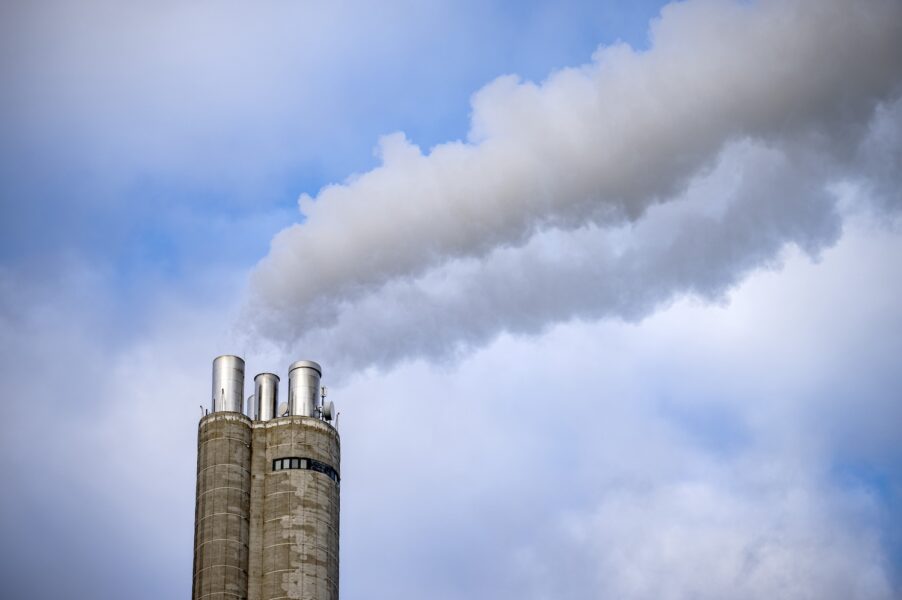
(267, 511)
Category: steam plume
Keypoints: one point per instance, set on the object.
(606, 190)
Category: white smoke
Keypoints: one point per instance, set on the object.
(606, 190)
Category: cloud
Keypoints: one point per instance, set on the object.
(122, 122)
(710, 539)
(555, 467)
(572, 465)
(733, 220)
(696, 450)
(597, 148)
(98, 454)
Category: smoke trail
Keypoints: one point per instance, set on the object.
(579, 197)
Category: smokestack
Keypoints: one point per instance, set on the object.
(228, 384)
(267, 505)
(303, 388)
(266, 394)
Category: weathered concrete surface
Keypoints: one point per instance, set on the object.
(260, 534)
(259, 468)
(300, 513)
(222, 511)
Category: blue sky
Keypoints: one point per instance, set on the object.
(615, 287)
(229, 115)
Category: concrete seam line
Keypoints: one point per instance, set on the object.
(221, 464)
(265, 573)
(224, 487)
(316, 546)
(221, 513)
(225, 437)
(216, 566)
(221, 540)
(218, 593)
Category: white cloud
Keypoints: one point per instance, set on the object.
(693, 455)
(690, 454)
(718, 539)
(681, 449)
(597, 147)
